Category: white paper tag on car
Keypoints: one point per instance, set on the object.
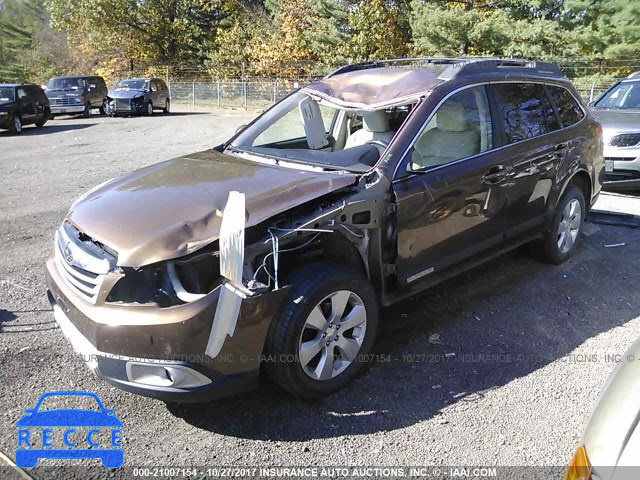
(608, 165)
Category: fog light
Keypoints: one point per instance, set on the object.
(579, 468)
(164, 375)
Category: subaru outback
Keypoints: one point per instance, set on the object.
(274, 251)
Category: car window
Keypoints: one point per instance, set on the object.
(622, 96)
(7, 94)
(289, 127)
(552, 118)
(460, 128)
(22, 93)
(520, 110)
(568, 108)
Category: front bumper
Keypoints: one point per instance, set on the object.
(127, 106)
(626, 168)
(57, 110)
(5, 123)
(160, 352)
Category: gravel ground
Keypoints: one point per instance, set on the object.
(499, 367)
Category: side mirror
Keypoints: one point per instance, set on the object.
(92, 85)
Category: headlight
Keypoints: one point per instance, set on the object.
(4, 114)
(579, 468)
(625, 140)
(170, 283)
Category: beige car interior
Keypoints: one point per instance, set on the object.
(375, 128)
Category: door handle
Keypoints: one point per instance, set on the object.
(560, 146)
(496, 174)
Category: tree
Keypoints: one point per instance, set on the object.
(377, 29)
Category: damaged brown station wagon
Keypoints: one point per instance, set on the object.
(275, 251)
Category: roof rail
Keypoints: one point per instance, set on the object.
(634, 75)
(455, 67)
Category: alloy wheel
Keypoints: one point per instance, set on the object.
(332, 335)
(17, 125)
(569, 226)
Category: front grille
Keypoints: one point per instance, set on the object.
(82, 263)
(63, 101)
(123, 104)
(625, 140)
(620, 159)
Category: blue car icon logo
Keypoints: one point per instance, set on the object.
(39, 430)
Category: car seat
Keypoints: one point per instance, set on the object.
(375, 127)
(453, 137)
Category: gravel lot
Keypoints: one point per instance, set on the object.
(530, 341)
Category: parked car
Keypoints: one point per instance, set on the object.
(77, 94)
(139, 96)
(22, 104)
(610, 444)
(276, 248)
(618, 110)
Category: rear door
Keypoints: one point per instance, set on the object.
(450, 203)
(533, 146)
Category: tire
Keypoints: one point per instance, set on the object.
(306, 319)
(16, 125)
(45, 117)
(87, 110)
(560, 241)
(167, 107)
(103, 108)
(149, 109)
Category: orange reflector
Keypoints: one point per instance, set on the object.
(579, 468)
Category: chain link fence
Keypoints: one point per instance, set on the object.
(199, 87)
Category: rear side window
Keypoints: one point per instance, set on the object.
(521, 110)
(568, 108)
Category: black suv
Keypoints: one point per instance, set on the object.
(277, 249)
(77, 94)
(22, 104)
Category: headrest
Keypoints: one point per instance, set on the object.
(375, 122)
(451, 117)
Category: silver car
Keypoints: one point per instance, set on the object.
(618, 110)
(610, 445)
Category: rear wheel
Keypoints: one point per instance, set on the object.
(325, 331)
(45, 116)
(560, 241)
(167, 107)
(16, 125)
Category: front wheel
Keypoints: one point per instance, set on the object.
(560, 241)
(325, 332)
(16, 125)
(149, 108)
(86, 113)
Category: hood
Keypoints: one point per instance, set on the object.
(5, 105)
(612, 436)
(175, 207)
(618, 120)
(126, 93)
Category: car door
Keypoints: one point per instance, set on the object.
(449, 200)
(533, 146)
(26, 105)
(155, 94)
(164, 93)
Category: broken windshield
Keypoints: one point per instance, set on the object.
(306, 130)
